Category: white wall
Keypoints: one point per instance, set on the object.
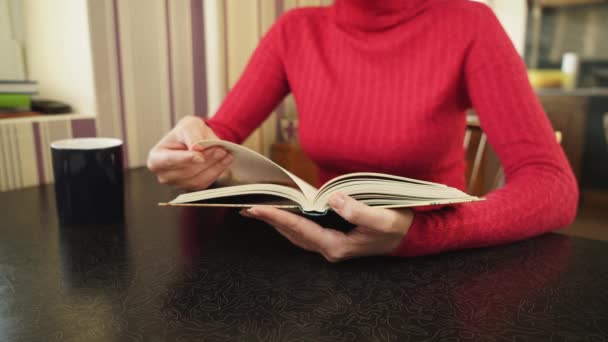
(16, 11)
(5, 22)
(512, 15)
(11, 34)
(58, 52)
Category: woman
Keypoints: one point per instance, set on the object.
(383, 86)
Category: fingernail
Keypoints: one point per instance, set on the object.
(198, 159)
(197, 147)
(244, 212)
(227, 160)
(219, 154)
(336, 201)
(252, 211)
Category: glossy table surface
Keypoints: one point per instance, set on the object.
(169, 274)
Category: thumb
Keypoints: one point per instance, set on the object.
(207, 134)
(191, 132)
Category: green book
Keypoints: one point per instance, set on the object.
(16, 101)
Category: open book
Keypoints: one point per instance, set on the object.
(254, 179)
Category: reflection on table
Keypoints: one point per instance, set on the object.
(208, 274)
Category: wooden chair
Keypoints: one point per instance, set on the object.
(475, 146)
(484, 173)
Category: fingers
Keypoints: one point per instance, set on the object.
(165, 159)
(283, 231)
(191, 135)
(170, 142)
(196, 176)
(207, 176)
(379, 231)
(295, 239)
(303, 232)
(171, 152)
(293, 222)
(190, 130)
(360, 214)
(178, 160)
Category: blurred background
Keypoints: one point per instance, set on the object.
(131, 69)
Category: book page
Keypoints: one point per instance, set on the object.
(239, 192)
(385, 190)
(375, 175)
(250, 167)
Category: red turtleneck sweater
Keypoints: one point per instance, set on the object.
(384, 85)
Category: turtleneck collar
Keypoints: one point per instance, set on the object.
(375, 15)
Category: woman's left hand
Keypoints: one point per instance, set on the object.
(378, 231)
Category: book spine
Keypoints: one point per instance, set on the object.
(16, 101)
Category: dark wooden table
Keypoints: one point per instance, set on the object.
(170, 274)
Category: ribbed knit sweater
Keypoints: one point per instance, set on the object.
(384, 85)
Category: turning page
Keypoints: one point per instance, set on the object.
(250, 167)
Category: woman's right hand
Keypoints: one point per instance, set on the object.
(177, 160)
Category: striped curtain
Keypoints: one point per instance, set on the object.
(240, 25)
(154, 61)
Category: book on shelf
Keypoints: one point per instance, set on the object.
(18, 87)
(15, 102)
(253, 179)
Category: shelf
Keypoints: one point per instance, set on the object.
(45, 118)
(560, 3)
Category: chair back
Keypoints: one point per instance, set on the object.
(475, 146)
(484, 173)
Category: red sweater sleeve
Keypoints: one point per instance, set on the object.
(540, 193)
(261, 87)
